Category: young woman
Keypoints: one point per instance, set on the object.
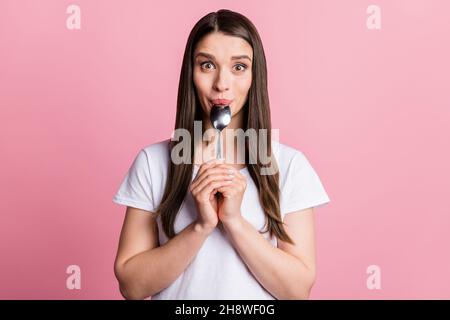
(194, 230)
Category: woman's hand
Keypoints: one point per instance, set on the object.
(230, 201)
(209, 178)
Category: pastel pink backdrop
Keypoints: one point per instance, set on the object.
(369, 108)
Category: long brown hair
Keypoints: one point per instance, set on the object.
(256, 116)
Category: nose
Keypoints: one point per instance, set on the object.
(222, 81)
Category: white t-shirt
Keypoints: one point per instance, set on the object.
(217, 271)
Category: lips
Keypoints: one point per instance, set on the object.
(221, 102)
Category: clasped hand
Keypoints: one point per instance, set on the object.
(218, 190)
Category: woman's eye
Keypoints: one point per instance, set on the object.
(241, 67)
(206, 65)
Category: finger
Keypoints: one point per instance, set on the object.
(218, 173)
(200, 184)
(233, 187)
(208, 164)
(214, 177)
(208, 188)
(214, 171)
(239, 177)
(226, 191)
(229, 166)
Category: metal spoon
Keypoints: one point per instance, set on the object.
(220, 117)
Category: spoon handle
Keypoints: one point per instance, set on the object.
(219, 146)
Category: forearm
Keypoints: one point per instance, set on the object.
(283, 275)
(151, 271)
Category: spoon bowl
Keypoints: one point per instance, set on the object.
(220, 117)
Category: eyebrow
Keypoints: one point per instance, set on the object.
(210, 56)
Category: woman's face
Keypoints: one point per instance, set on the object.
(222, 70)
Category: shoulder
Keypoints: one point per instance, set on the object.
(288, 156)
(153, 158)
(300, 185)
(159, 148)
(157, 153)
(294, 165)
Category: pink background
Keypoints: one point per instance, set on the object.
(369, 108)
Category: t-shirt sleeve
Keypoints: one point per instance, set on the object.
(136, 188)
(303, 188)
